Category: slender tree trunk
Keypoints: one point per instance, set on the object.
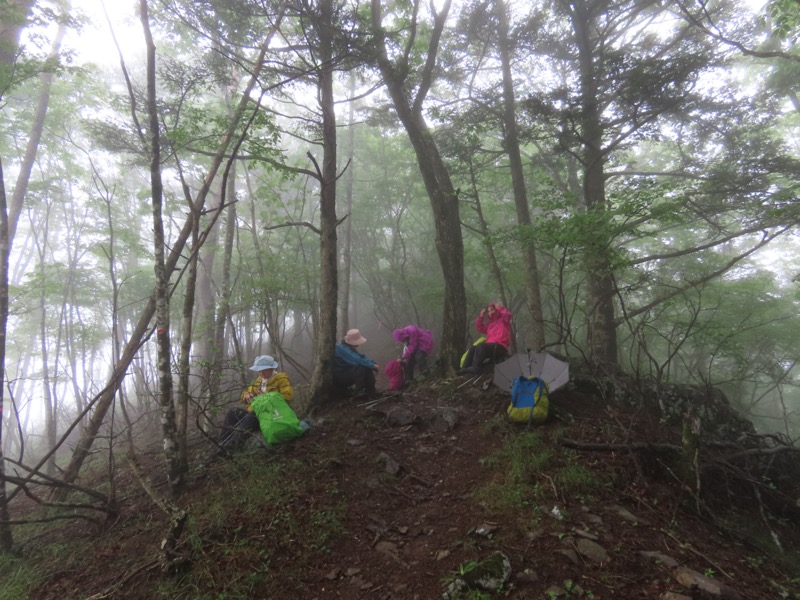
(186, 350)
(6, 537)
(14, 19)
(494, 266)
(345, 274)
(37, 127)
(169, 432)
(443, 198)
(511, 145)
(326, 330)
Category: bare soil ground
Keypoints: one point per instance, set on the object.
(394, 499)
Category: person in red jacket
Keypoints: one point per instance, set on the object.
(494, 322)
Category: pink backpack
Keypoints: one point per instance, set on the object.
(394, 371)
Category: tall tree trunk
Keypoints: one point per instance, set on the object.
(14, 19)
(6, 537)
(169, 433)
(186, 350)
(442, 195)
(326, 330)
(347, 242)
(602, 331)
(494, 266)
(511, 146)
(37, 126)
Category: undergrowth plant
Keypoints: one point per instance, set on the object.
(16, 577)
(533, 472)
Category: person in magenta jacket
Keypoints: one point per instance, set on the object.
(494, 323)
(418, 344)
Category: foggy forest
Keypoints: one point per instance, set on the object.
(190, 184)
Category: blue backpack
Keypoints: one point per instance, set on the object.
(529, 400)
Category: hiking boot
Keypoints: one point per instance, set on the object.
(470, 371)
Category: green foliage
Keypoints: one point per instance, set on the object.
(785, 18)
(17, 576)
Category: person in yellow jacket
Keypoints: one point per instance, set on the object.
(269, 380)
(240, 421)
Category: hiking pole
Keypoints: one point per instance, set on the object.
(230, 430)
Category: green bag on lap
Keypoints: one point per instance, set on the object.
(276, 418)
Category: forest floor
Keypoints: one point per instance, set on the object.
(405, 497)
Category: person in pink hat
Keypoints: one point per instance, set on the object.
(351, 368)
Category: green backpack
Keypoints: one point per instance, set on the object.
(276, 418)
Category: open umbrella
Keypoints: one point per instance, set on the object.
(554, 372)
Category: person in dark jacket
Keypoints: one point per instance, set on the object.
(352, 369)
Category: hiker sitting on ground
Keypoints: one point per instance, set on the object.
(352, 368)
(495, 323)
(418, 344)
(240, 421)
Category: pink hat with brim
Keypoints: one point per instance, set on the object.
(354, 338)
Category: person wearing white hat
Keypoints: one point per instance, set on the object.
(240, 421)
(269, 380)
(352, 368)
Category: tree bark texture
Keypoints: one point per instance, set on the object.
(511, 146)
(443, 198)
(6, 537)
(169, 431)
(321, 378)
(601, 323)
(37, 127)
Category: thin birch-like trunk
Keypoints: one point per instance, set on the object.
(103, 401)
(175, 471)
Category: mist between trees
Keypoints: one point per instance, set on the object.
(259, 177)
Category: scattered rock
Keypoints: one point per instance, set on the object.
(594, 519)
(592, 550)
(489, 575)
(397, 416)
(660, 557)
(485, 530)
(391, 465)
(386, 547)
(570, 554)
(442, 554)
(627, 515)
(352, 571)
(443, 420)
(333, 574)
(673, 596)
(526, 577)
(586, 534)
(691, 579)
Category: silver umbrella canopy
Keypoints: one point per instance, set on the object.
(545, 366)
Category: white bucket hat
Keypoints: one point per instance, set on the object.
(264, 362)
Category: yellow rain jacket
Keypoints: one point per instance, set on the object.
(279, 382)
